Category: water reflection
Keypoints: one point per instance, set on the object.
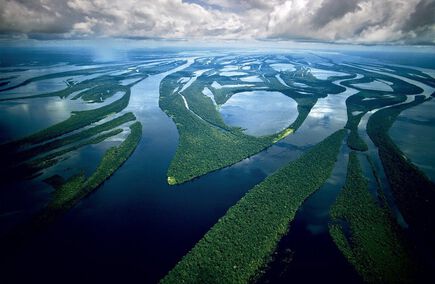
(414, 133)
(259, 112)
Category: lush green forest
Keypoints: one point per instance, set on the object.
(203, 147)
(206, 142)
(367, 234)
(381, 225)
(240, 243)
(33, 167)
(78, 186)
(73, 138)
(76, 121)
(68, 193)
(413, 191)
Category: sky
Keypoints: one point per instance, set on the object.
(394, 22)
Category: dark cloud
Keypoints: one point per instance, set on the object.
(334, 9)
(351, 21)
(36, 16)
(422, 17)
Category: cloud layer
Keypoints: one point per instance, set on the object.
(350, 21)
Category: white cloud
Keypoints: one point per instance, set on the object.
(370, 22)
(355, 21)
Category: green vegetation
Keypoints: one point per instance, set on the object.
(202, 105)
(286, 132)
(115, 157)
(77, 120)
(240, 243)
(373, 245)
(206, 142)
(68, 193)
(78, 186)
(355, 142)
(88, 71)
(413, 191)
(398, 86)
(357, 106)
(172, 181)
(87, 133)
(100, 93)
(94, 89)
(30, 168)
(367, 100)
(91, 90)
(203, 146)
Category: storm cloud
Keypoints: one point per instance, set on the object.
(347, 21)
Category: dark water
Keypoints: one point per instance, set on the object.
(134, 228)
(307, 254)
(413, 131)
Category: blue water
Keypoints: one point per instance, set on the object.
(135, 227)
(259, 112)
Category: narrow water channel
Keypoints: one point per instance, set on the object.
(135, 227)
(307, 254)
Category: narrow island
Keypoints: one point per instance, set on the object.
(366, 233)
(240, 243)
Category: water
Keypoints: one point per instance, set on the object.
(39, 113)
(135, 227)
(414, 131)
(251, 79)
(232, 73)
(308, 247)
(375, 85)
(281, 67)
(314, 254)
(259, 112)
(325, 74)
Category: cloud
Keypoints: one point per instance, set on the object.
(334, 9)
(367, 21)
(349, 21)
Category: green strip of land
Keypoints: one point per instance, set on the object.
(240, 243)
(361, 103)
(206, 143)
(31, 168)
(75, 121)
(72, 73)
(414, 193)
(87, 133)
(78, 186)
(203, 147)
(373, 244)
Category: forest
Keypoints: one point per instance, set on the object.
(367, 234)
(240, 243)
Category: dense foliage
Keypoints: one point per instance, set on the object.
(203, 147)
(33, 167)
(78, 186)
(206, 142)
(239, 244)
(413, 191)
(366, 234)
(77, 120)
(73, 138)
(358, 105)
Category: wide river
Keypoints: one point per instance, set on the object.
(135, 227)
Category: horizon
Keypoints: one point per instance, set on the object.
(217, 141)
(356, 22)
